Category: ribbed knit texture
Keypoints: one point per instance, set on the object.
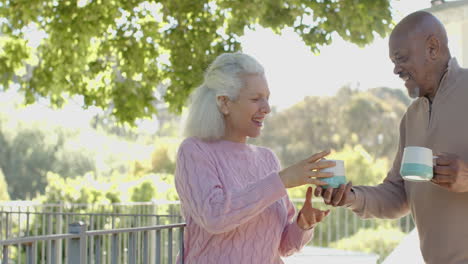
(235, 205)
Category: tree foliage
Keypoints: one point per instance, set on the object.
(29, 152)
(369, 119)
(124, 55)
(381, 240)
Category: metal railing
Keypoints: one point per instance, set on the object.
(27, 219)
(18, 224)
(44, 224)
(149, 244)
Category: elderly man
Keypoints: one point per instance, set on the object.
(437, 119)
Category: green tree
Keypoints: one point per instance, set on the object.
(124, 55)
(144, 192)
(374, 117)
(29, 152)
(381, 240)
(80, 190)
(351, 117)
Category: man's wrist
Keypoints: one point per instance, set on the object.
(352, 199)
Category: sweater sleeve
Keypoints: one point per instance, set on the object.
(388, 199)
(293, 238)
(212, 206)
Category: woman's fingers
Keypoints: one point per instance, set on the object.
(309, 196)
(320, 174)
(317, 156)
(320, 165)
(315, 182)
(321, 215)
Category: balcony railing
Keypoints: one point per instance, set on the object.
(26, 219)
(123, 245)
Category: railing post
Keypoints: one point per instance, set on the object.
(58, 252)
(181, 245)
(169, 249)
(114, 249)
(31, 253)
(131, 248)
(158, 247)
(5, 254)
(77, 246)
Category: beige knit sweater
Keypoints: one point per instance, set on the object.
(441, 216)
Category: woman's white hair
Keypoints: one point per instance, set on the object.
(222, 78)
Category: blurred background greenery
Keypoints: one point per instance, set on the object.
(38, 159)
(130, 66)
(107, 162)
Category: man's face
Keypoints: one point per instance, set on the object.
(408, 54)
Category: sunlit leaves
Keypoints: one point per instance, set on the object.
(115, 53)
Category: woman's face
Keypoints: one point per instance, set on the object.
(244, 117)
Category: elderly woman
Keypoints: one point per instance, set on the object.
(233, 194)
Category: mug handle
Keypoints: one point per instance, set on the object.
(434, 160)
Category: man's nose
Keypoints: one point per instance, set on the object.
(397, 69)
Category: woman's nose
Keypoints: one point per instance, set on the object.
(266, 107)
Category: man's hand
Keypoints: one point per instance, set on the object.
(341, 196)
(451, 173)
(309, 216)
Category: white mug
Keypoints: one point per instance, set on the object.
(417, 164)
(339, 175)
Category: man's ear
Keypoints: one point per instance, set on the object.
(433, 46)
(222, 102)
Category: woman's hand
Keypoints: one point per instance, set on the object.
(307, 171)
(308, 216)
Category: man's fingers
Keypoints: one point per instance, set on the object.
(346, 192)
(318, 191)
(444, 160)
(443, 170)
(338, 195)
(328, 195)
(443, 184)
(317, 156)
(443, 179)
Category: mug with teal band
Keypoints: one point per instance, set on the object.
(417, 164)
(339, 176)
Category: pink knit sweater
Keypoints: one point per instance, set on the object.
(235, 205)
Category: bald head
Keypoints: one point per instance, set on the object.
(418, 48)
(421, 25)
